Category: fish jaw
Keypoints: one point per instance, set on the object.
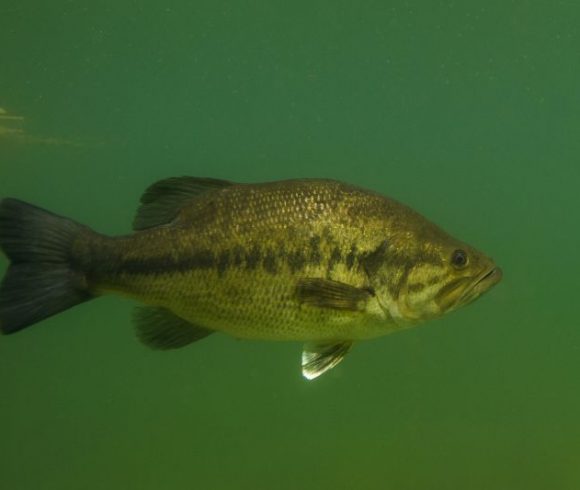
(484, 282)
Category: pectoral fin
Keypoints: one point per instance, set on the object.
(321, 357)
(325, 293)
(161, 329)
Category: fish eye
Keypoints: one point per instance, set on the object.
(459, 259)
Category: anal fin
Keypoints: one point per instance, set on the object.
(317, 358)
(161, 329)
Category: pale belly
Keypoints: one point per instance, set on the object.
(255, 307)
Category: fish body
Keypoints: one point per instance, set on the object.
(311, 260)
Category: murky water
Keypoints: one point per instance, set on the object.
(467, 111)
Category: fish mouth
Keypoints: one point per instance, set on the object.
(484, 282)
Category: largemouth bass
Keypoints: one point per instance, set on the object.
(317, 261)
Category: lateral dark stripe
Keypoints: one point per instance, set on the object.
(253, 258)
(223, 262)
(351, 256)
(335, 258)
(373, 261)
(271, 260)
(162, 265)
(315, 254)
(296, 260)
(269, 263)
(238, 255)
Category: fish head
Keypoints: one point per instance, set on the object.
(425, 273)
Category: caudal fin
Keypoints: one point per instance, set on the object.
(41, 280)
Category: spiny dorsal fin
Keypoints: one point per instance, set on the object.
(162, 201)
(161, 329)
(317, 358)
(325, 293)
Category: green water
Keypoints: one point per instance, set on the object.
(467, 111)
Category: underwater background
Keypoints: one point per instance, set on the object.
(467, 111)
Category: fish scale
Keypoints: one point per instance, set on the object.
(311, 260)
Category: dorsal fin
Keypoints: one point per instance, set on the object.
(161, 202)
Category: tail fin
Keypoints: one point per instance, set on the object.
(41, 280)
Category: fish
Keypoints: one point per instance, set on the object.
(318, 261)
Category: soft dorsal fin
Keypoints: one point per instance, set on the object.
(161, 202)
(161, 329)
(317, 358)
